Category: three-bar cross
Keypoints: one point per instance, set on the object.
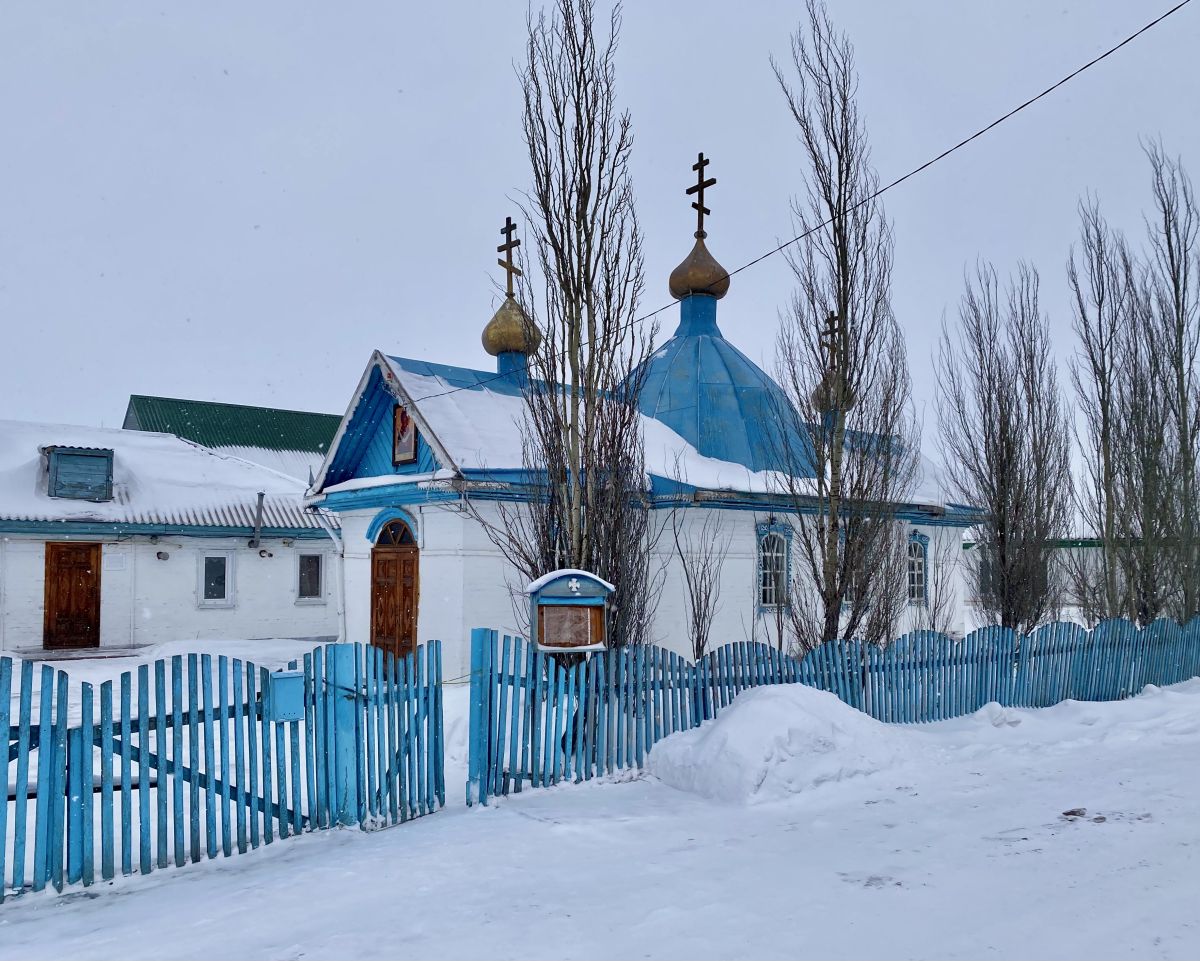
(698, 188)
(510, 244)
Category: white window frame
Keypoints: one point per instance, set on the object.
(320, 598)
(921, 543)
(765, 533)
(230, 598)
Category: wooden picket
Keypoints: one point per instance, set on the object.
(537, 720)
(191, 762)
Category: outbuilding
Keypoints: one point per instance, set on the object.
(121, 538)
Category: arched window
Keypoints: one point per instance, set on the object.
(772, 568)
(394, 534)
(918, 563)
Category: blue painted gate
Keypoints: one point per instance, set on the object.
(197, 757)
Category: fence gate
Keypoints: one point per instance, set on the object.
(197, 756)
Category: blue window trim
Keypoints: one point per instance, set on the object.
(916, 537)
(761, 530)
(386, 516)
(104, 459)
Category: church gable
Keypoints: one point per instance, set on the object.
(380, 436)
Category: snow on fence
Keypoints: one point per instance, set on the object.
(535, 722)
(194, 757)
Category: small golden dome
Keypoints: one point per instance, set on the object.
(699, 274)
(510, 330)
(830, 393)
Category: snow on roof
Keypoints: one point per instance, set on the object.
(158, 479)
(930, 486)
(476, 418)
(545, 579)
(300, 464)
(479, 427)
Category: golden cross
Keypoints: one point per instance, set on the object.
(698, 188)
(507, 248)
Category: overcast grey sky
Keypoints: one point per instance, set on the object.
(239, 201)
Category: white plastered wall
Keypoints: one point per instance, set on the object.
(462, 580)
(465, 581)
(145, 600)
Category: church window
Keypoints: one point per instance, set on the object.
(918, 569)
(773, 565)
(395, 534)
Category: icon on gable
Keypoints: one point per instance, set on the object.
(404, 436)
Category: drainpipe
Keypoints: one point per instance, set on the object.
(258, 511)
(340, 580)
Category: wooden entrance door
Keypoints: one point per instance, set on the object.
(72, 596)
(394, 588)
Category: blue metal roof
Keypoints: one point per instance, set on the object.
(717, 399)
(462, 376)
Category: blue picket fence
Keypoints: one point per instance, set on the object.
(535, 722)
(196, 757)
(926, 676)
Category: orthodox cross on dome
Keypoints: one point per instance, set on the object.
(510, 244)
(830, 334)
(698, 188)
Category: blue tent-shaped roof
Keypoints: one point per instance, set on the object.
(716, 398)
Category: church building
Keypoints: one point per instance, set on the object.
(419, 441)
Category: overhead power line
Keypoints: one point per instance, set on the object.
(884, 189)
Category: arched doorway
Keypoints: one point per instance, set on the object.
(394, 588)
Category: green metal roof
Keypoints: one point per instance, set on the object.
(232, 425)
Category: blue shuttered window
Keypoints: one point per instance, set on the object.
(80, 473)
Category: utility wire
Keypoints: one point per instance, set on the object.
(882, 190)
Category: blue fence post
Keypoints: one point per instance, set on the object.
(340, 668)
(482, 640)
(75, 789)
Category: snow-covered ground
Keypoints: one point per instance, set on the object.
(791, 827)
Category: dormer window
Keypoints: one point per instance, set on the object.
(80, 473)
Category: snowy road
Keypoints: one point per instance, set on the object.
(952, 846)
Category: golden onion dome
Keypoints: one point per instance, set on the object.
(699, 274)
(509, 330)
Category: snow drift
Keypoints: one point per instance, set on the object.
(773, 742)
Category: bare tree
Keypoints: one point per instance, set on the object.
(586, 504)
(1101, 279)
(1173, 263)
(848, 438)
(701, 550)
(1147, 489)
(1005, 443)
(1138, 324)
